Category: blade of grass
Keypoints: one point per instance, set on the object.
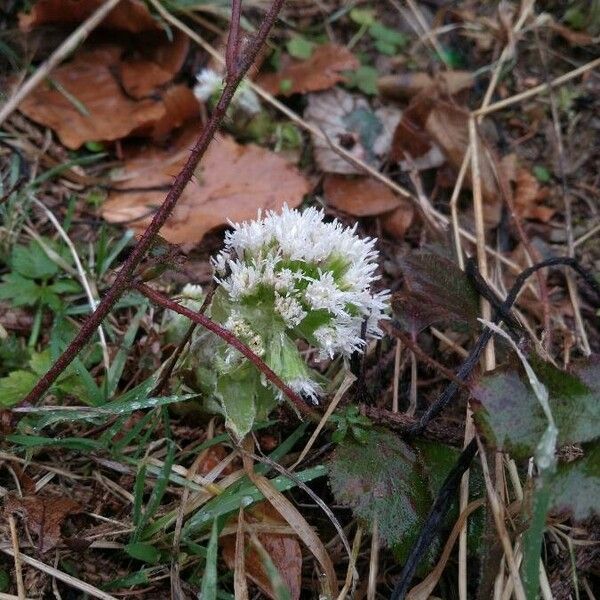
(209, 581)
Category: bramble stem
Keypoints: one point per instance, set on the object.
(226, 335)
(124, 277)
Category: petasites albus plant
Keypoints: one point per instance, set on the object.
(286, 278)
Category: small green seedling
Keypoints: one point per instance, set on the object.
(352, 423)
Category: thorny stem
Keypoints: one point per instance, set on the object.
(233, 41)
(124, 277)
(226, 335)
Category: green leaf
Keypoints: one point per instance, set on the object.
(299, 47)
(209, 580)
(385, 47)
(236, 392)
(15, 386)
(382, 480)
(144, 552)
(247, 495)
(542, 174)
(285, 85)
(576, 485)
(392, 37)
(32, 262)
(66, 286)
(19, 290)
(362, 16)
(508, 413)
(364, 78)
(533, 537)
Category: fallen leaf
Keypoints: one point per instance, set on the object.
(284, 550)
(529, 197)
(153, 63)
(232, 183)
(44, 516)
(180, 106)
(347, 120)
(129, 15)
(431, 118)
(359, 196)
(409, 84)
(397, 222)
(212, 457)
(91, 80)
(448, 125)
(321, 71)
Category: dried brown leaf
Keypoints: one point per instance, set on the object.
(232, 183)
(529, 197)
(321, 71)
(153, 63)
(359, 196)
(129, 15)
(397, 222)
(91, 79)
(409, 84)
(284, 550)
(44, 516)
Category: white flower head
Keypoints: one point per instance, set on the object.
(210, 84)
(315, 277)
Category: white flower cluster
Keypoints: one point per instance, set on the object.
(314, 277)
(210, 84)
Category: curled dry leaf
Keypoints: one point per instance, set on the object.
(347, 120)
(530, 196)
(321, 71)
(232, 183)
(284, 550)
(432, 122)
(44, 516)
(407, 85)
(153, 63)
(100, 109)
(132, 16)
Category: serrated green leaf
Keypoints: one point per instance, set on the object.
(144, 552)
(382, 480)
(19, 290)
(299, 47)
(510, 416)
(32, 262)
(15, 386)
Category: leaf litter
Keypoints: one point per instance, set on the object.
(407, 117)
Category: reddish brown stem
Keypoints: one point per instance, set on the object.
(125, 276)
(226, 335)
(233, 40)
